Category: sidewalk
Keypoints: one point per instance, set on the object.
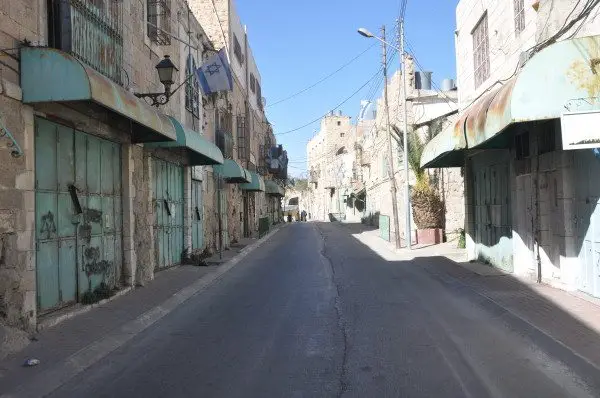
(570, 318)
(79, 341)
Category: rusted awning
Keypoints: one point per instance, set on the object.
(51, 75)
(564, 77)
(274, 189)
(256, 183)
(196, 149)
(232, 172)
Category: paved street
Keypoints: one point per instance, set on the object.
(315, 313)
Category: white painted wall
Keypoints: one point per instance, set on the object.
(505, 46)
(236, 28)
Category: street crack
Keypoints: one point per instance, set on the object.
(343, 377)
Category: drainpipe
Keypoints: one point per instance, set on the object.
(219, 185)
(536, 224)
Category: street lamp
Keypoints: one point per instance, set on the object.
(166, 70)
(366, 33)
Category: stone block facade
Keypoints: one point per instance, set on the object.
(138, 245)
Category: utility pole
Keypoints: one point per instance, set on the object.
(391, 173)
(407, 234)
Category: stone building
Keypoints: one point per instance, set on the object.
(330, 164)
(253, 139)
(348, 163)
(425, 108)
(100, 189)
(523, 137)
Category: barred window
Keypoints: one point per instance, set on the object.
(481, 51)
(237, 50)
(519, 16)
(158, 19)
(252, 83)
(192, 88)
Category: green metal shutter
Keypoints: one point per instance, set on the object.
(77, 248)
(167, 191)
(197, 216)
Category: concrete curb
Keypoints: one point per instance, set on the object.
(54, 377)
(52, 321)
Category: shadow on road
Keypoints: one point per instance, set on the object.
(561, 324)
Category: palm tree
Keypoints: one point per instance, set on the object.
(427, 204)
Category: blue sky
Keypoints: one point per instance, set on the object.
(296, 43)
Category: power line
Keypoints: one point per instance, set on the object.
(322, 80)
(337, 106)
(220, 25)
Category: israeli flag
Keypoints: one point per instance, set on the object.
(215, 75)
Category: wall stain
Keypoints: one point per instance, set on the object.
(48, 225)
(93, 264)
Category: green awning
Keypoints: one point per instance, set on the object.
(538, 92)
(50, 75)
(256, 185)
(274, 189)
(232, 172)
(196, 148)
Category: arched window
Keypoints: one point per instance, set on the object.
(192, 88)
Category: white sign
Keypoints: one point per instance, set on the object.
(580, 130)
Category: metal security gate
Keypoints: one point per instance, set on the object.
(167, 198)
(222, 203)
(78, 214)
(492, 215)
(197, 216)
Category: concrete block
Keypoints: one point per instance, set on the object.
(25, 220)
(25, 181)
(12, 90)
(29, 304)
(7, 221)
(28, 281)
(28, 200)
(25, 240)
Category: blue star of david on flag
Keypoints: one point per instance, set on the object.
(215, 74)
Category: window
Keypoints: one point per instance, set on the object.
(237, 50)
(481, 51)
(519, 16)
(252, 83)
(259, 95)
(192, 88)
(242, 138)
(339, 123)
(159, 21)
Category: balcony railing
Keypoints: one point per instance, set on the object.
(91, 31)
(225, 143)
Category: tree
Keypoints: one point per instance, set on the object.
(427, 204)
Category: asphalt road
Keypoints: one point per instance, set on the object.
(314, 313)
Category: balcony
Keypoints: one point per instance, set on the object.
(92, 31)
(225, 143)
(278, 162)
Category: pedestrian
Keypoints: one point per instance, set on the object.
(303, 216)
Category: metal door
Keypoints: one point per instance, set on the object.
(197, 216)
(223, 215)
(246, 207)
(167, 191)
(492, 214)
(78, 213)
